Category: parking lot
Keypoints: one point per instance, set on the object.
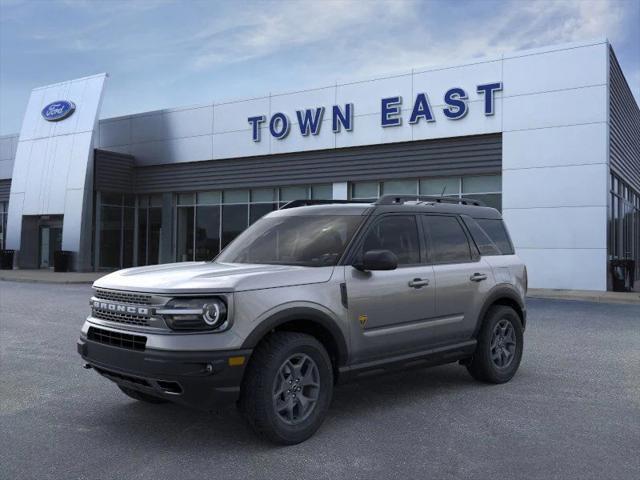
(572, 411)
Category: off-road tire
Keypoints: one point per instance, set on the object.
(257, 391)
(141, 396)
(482, 366)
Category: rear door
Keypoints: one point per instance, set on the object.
(462, 277)
(389, 310)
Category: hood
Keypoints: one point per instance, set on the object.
(187, 277)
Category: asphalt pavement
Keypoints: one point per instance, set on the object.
(571, 412)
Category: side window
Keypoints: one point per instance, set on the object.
(398, 234)
(448, 241)
(498, 233)
(484, 243)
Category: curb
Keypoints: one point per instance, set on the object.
(631, 300)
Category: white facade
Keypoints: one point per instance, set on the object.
(552, 113)
(53, 162)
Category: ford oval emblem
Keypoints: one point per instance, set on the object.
(56, 111)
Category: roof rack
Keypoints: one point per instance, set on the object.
(305, 203)
(398, 199)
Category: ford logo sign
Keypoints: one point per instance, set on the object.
(56, 111)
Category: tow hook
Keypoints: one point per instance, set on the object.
(86, 366)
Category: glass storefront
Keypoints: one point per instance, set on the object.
(624, 236)
(206, 222)
(487, 188)
(149, 231)
(3, 223)
(116, 230)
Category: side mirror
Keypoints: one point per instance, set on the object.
(377, 260)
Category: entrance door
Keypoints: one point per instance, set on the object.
(50, 241)
(45, 233)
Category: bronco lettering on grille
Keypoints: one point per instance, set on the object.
(118, 308)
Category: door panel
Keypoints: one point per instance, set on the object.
(386, 315)
(389, 310)
(459, 299)
(462, 278)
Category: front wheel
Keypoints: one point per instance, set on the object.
(499, 349)
(287, 388)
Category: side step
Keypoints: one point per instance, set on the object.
(424, 358)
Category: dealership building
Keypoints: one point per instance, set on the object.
(551, 137)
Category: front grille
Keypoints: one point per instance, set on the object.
(121, 318)
(117, 339)
(123, 297)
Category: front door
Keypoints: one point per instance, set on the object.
(389, 311)
(50, 241)
(44, 246)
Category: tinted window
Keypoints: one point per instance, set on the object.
(398, 234)
(480, 237)
(498, 233)
(312, 241)
(448, 241)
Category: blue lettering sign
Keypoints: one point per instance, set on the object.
(279, 125)
(456, 98)
(310, 119)
(421, 109)
(310, 122)
(255, 126)
(488, 89)
(390, 111)
(342, 119)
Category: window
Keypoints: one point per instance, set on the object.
(447, 240)
(3, 223)
(486, 188)
(485, 245)
(116, 230)
(208, 221)
(397, 233)
(498, 233)
(311, 241)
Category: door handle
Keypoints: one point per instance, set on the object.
(478, 277)
(418, 283)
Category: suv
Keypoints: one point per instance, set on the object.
(315, 293)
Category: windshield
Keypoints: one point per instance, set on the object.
(311, 241)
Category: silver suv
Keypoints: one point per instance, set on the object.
(311, 295)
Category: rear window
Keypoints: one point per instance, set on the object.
(448, 243)
(497, 233)
(485, 245)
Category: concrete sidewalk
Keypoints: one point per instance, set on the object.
(49, 276)
(586, 295)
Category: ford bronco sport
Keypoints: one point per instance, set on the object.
(310, 295)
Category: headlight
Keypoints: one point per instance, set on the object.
(195, 314)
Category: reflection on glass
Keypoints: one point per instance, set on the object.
(184, 234)
(234, 221)
(207, 232)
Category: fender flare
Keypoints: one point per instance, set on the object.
(300, 313)
(500, 292)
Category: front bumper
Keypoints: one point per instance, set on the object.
(196, 379)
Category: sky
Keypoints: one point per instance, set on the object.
(162, 54)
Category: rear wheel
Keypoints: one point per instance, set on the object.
(141, 396)
(287, 388)
(499, 350)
